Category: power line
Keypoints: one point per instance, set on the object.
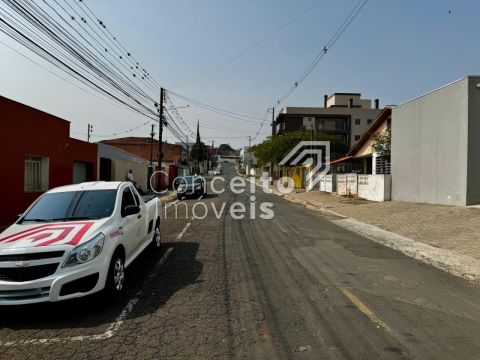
(39, 32)
(65, 79)
(261, 125)
(130, 55)
(218, 110)
(343, 27)
(247, 49)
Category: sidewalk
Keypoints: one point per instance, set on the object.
(167, 197)
(446, 237)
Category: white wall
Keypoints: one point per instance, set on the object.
(342, 184)
(429, 147)
(352, 181)
(374, 187)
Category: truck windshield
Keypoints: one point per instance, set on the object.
(73, 205)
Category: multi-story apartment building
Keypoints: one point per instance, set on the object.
(345, 114)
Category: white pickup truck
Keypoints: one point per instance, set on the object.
(76, 240)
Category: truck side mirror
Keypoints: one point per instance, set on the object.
(130, 210)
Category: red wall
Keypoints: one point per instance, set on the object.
(28, 131)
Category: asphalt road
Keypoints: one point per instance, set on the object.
(295, 286)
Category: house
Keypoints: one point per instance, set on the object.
(363, 172)
(173, 154)
(38, 154)
(174, 161)
(114, 165)
(248, 160)
(344, 114)
(435, 146)
(362, 159)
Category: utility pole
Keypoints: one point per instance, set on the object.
(273, 134)
(249, 153)
(213, 143)
(208, 158)
(273, 120)
(90, 130)
(150, 170)
(152, 134)
(160, 133)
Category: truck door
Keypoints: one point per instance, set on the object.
(131, 225)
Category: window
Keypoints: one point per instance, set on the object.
(95, 204)
(127, 198)
(36, 174)
(357, 137)
(329, 124)
(369, 121)
(358, 121)
(135, 195)
(382, 165)
(340, 124)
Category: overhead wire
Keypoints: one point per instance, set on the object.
(331, 42)
(250, 47)
(71, 55)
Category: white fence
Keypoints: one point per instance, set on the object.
(342, 184)
(374, 187)
(328, 183)
(370, 187)
(347, 184)
(352, 184)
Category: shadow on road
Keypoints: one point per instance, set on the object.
(180, 270)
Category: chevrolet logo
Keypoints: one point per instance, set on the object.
(21, 263)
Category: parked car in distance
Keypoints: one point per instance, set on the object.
(191, 186)
(76, 240)
(217, 171)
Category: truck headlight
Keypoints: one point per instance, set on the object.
(85, 252)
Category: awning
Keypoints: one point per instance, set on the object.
(340, 160)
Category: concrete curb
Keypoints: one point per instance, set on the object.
(168, 198)
(463, 266)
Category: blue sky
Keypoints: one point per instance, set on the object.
(394, 50)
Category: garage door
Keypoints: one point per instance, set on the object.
(79, 172)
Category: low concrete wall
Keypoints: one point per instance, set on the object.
(322, 183)
(342, 184)
(374, 187)
(346, 184)
(352, 184)
(330, 183)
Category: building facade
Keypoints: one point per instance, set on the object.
(362, 158)
(344, 114)
(435, 146)
(173, 154)
(38, 154)
(114, 165)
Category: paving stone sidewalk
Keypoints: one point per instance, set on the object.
(448, 227)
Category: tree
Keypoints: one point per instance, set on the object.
(274, 148)
(225, 147)
(382, 143)
(195, 154)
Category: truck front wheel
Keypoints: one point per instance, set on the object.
(157, 237)
(116, 275)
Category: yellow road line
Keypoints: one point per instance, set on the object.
(364, 309)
